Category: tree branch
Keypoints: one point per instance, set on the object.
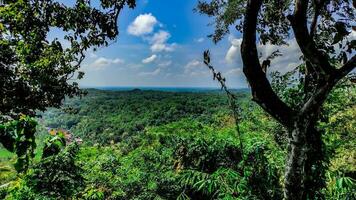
(316, 100)
(313, 25)
(345, 69)
(319, 60)
(320, 95)
(261, 89)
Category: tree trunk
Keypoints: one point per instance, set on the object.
(315, 165)
(304, 176)
(294, 187)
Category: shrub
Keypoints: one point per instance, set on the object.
(54, 176)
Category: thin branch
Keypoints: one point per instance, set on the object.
(346, 68)
(231, 97)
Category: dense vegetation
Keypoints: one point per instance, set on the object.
(159, 145)
(167, 145)
(127, 113)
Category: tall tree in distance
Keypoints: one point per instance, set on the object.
(36, 73)
(321, 29)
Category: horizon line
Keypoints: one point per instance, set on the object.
(188, 87)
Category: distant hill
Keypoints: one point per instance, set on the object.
(112, 114)
(167, 89)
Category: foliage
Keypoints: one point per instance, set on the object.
(341, 188)
(273, 23)
(254, 179)
(164, 156)
(289, 86)
(37, 73)
(93, 194)
(156, 145)
(189, 156)
(53, 145)
(120, 115)
(54, 176)
(20, 139)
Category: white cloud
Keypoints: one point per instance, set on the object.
(165, 63)
(149, 59)
(159, 42)
(142, 25)
(153, 73)
(234, 51)
(291, 53)
(195, 68)
(192, 64)
(352, 35)
(102, 62)
(135, 65)
(92, 55)
(290, 56)
(200, 40)
(288, 61)
(163, 47)
(117, 61)
(160, 37)
(234, 72)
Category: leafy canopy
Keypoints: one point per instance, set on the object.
(335, 20)
(36, 72)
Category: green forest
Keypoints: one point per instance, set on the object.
(174, 145)
(288, 133)
(140, 150)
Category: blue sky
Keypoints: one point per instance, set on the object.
(169, 55)
(161, 43)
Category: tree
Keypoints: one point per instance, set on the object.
(36, 73)
(321, 29)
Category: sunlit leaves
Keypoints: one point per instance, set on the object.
(18, 136)
(55, 176)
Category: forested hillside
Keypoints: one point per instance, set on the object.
(119, 114)
(166, 145)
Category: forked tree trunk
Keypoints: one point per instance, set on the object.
(304, 176)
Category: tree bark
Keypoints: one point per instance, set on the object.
(304, 175)
(315, 164)
(294, 187)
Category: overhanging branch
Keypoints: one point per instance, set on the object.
(261, 89)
